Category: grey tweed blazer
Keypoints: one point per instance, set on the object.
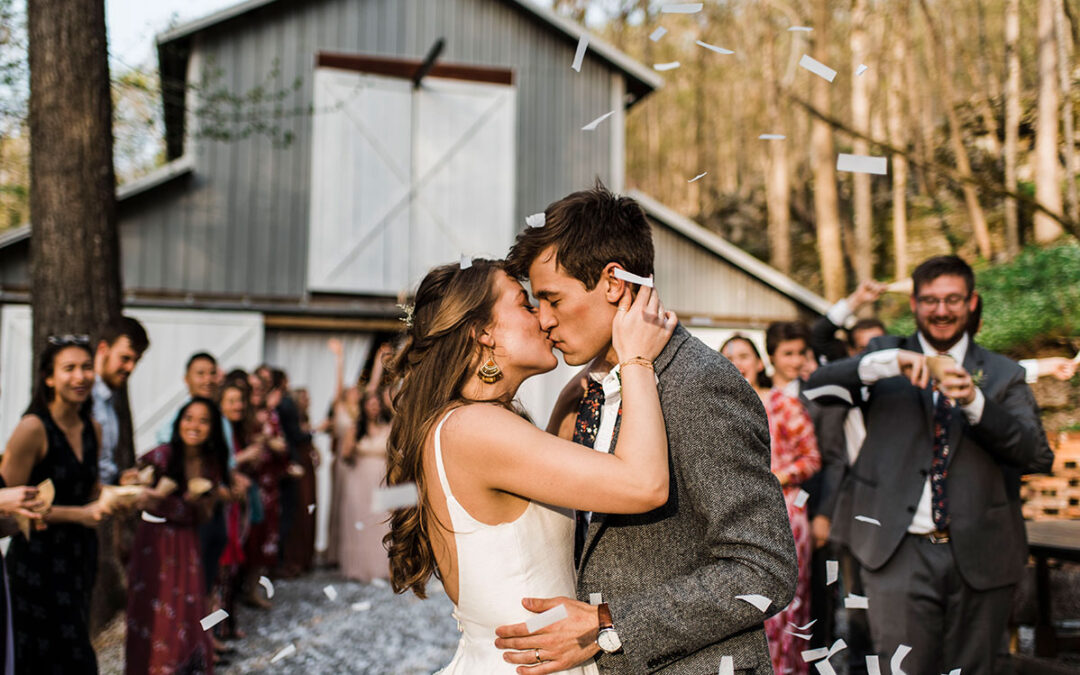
(671, 575)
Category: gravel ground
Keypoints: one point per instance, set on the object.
(398, 635)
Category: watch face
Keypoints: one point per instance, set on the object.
(609, 640)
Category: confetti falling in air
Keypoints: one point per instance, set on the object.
(862, 164)
(837, 647)
(868, 520)
(772, 137)
(698, 177)
(873, 665)
(832, 571)
(806, 627)
(817, 67)
(591, 126)
(862, 69)
(268, 585)
(545, 619)
(682, 8)
(330, 592)
(954, 671)
(310, 509)
(658, 33)
(727, 665)
(466, 261)
(718, 50)
(800, 499)
(361, 606)
(760, 601)
(213, 618)
(358, 525)
(284, 653)
(661, 67)
(853, 601)
(596, 598)
(898, 658)
(151, 518)
(804, 636)
(579, 56)
(632, 278)
(800, 29)
(811, 655)
(395, 496)
(535, 220)
(825, 668)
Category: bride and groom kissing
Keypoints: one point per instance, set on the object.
(642, 512)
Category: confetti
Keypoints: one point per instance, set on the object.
(817, 67)
(151, 518)
(358, 525)
(869, 520)
(658, 33)
(381, 583)
(394, 497)
(832, 571)
(759, 601)
(466, 261)
(718, 50)
(213, 618)
(897, 659)
(954, 671)
(853, 601)
(727, 665)
(330, 592)
(829, 390)
(862, 69)
(873, 665)
(698, 177)
(661, 67)
(837, 647)
(284, 653)
(535, 220)
(579, 56)
(620, 273)
(682, 8)
(806, 627)
(825, 668)
(771, 137)
(800, 499)
(268, 585)
(814, 654)
(361, 606)
(591, 126)
(800, 29)
(596, 598)
(862, 164)
(806, 636)
(310, 509)
(545, 619)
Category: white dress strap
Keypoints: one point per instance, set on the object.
(439, 458)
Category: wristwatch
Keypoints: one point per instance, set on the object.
(607, 639)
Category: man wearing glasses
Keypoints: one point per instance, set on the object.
(931, 506)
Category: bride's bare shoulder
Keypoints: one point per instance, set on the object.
(482, 420)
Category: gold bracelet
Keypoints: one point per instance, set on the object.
(637, 361)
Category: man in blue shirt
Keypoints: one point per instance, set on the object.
(118, 351)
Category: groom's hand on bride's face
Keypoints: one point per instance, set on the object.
(560, 646)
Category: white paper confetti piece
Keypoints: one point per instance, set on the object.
(811, 655)
(800, 499)
(268, 585)
(591, 126)
(898, 658)
(151, 518)
(661, 67)
(535, 220)
(873, 665)
(682, 8)
(545, 619)
(832, 572)
(771, 137)
(381, 583)
(817, 67)
(853, 601)
(869, 520)
(596, 598)
(394, 497)
(806, 627)
(284, 653)
(825, 668)
(800, 29)
(954, 671)
(310, 509)
(862, 69)
(727, 665)
(330, 592)
(632, 278)
(718, 50)
(759, 601)
(862, 164)
(466, 261)
(213, 618)
(805, 636)
(579, 56)
(361, 606)
(658, 33)
(698, 177)
(837, 647)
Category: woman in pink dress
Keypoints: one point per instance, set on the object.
(795, 459)
(363, 469)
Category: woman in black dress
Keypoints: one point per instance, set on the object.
(51, 574)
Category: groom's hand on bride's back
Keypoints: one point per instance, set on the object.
(560, 646)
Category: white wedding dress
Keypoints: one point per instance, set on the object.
(498, 565)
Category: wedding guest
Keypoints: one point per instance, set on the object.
(235, 407)
(361, 553)
(299, 549)
(118, 351)
(52, 573)
(827, 347)
(22, 501)
(341, 425)
(795, 459)
(266, 464)
(296, 440)
(167, 574)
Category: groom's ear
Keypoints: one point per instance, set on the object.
(612, 285)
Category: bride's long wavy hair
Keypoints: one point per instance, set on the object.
(437, 358)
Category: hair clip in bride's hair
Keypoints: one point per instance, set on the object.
(408, 318)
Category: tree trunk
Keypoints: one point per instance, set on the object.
(860, 119)
(1047, 169)
(894, 103)
(74, 250)
(777, 187)
(1072, 200)
(823, 164)
(1012, 123)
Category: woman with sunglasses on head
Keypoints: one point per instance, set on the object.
(52, 573)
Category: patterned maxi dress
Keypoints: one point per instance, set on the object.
(794, 456)
(52, 574)
(166, 592)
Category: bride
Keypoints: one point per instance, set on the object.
(494, 520)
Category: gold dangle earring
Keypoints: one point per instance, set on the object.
(490, 372)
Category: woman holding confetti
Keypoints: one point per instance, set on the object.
(363, 468)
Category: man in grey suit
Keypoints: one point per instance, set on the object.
(663, 585)
(931, 506)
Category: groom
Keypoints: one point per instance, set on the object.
(668, 579)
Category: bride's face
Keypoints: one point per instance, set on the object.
(520, 344)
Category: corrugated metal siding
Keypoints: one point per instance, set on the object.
(241, 224)
(693, 280)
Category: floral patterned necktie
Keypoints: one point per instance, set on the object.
(939, 471)
(585, 428)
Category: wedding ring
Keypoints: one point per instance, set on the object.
(537, 655)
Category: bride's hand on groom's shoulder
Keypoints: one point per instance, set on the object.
(641, 326)
(560, 646)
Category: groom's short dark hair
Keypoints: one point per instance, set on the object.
(588, 229)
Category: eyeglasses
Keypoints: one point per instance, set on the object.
(69, 340)
(952, 301)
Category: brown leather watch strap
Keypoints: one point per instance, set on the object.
(604, 614)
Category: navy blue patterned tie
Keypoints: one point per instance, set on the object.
(585, 428)
(939, 471)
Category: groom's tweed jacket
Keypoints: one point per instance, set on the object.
(671, 576)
